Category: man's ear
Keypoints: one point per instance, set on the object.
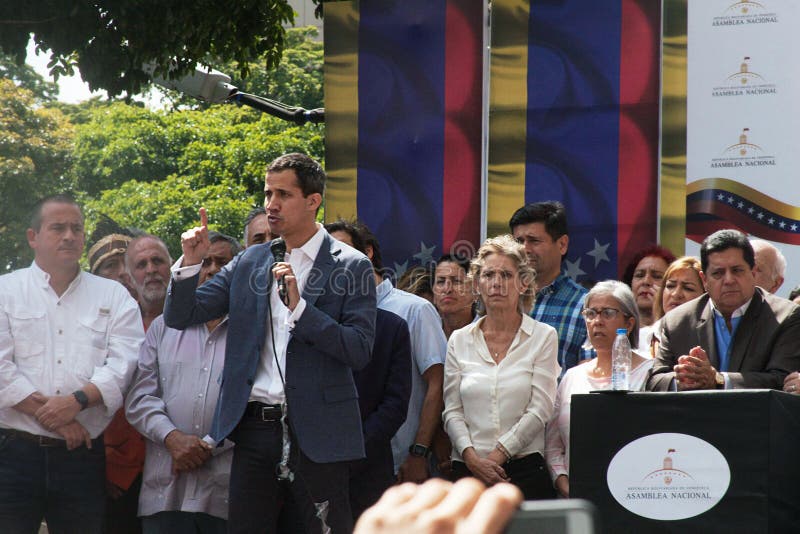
(368, 251)
(30, 233)
(777, 285)
(563, 244)
(314, 201)
(703, 279)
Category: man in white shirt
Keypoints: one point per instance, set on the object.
(68, 344)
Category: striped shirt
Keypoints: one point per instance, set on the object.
(559, 305)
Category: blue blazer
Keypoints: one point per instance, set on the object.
(332, 337)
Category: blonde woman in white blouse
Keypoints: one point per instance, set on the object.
(500, 377)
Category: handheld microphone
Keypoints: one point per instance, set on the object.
(278, 249)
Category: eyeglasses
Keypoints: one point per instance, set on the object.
(609, 314)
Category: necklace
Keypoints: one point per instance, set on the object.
(497, 349)
(499, 341)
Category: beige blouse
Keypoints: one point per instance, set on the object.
(507, 403)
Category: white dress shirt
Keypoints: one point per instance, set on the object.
(56, 345)
(268, 385)
(507, 403)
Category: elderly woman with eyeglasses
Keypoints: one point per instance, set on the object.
(609, 305)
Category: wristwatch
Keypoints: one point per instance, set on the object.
(419, 450)
(82, 398)
(719, 378)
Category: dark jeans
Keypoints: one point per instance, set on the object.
(66, 488)
(122, 513)
(259, 502)
(528, 473)
(183, 523)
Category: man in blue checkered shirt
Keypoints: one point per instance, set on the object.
(542, 228)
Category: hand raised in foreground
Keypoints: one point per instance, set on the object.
(465, 507)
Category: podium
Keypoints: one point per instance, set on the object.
(711, 461)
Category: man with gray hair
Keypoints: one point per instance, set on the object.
(148, 262)
(770, 265)
(171, 402)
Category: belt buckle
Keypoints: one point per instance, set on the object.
(46, 441)
(268, 413)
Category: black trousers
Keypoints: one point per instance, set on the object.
(370, 477)
(528, 473)
(259, 502)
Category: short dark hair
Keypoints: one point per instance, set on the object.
(60, 198)
(652, 250)
(310, 176)
(371, 241)
(214, 236)
(352, 229)
(723, 240)
(794, 293)
(459, 259)
(255, 212)
(551, 212)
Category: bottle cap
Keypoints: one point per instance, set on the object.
(622, 331)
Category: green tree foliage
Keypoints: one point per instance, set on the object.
(147, 169)
(110, 40)
(24, 76)
(34, 151)
(153, 170)
(224, 142)
(297, 81)
(169, 207)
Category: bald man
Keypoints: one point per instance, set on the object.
(770, 265)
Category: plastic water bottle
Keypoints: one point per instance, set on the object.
(621, 361)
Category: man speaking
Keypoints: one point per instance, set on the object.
(287, 397)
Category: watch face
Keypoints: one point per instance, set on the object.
(418, 450)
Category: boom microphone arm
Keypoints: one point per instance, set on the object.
(215, 87)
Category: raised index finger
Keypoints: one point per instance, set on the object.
(203, 218)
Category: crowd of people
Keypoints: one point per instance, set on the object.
(285, 384)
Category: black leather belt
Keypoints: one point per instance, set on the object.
(43, 441)
(263, 412)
